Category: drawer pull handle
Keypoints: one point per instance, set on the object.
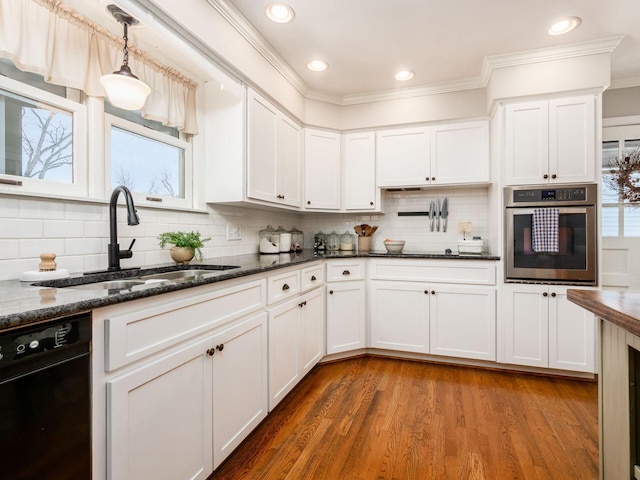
(211, 352)
(220, 347)
(313, 278)
(302, 304)
(285, 287)
(330, 292)
(346, 272)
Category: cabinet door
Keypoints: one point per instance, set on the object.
(262, 130)
(321, 170)
(159, 419)
(463, 322)
(572, 139)
(345, 316)
(239, 384)
(289, 162)
(526, 325)
(526, 143)
(359, 159)
(403, 157)
(400, 316)
(284, 370)
(460, 153)
(571, 334)
(311, 329)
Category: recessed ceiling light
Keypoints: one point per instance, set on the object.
(280, 13)
(317, 65)
(564, 26)
(404, 75)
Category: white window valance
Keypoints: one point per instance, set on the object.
(50, 38)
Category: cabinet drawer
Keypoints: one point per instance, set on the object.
(471, 272)
(137, 329)
(283, 286)
(345, 270)
(312, 277)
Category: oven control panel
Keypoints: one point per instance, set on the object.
(574, 195)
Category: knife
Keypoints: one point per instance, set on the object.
(445, 213)
(438, 216)
(432, 214)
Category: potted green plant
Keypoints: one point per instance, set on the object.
(186, 245)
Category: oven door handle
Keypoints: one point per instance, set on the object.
(562, 210)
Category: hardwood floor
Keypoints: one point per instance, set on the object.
(376, 418)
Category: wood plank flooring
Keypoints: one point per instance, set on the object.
(376, 418)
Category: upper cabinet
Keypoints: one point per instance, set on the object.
(448, 154)
(321, 170)
(274, 154)
(359, 167)
(550, 141)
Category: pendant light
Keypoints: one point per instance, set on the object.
(124, 90)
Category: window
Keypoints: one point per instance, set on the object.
(619, 217)
(155, 165)
(42, 139)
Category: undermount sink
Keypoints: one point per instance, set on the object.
(177, 275)
(111, 285)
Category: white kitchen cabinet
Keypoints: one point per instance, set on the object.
(359, 165)
(450, 320)
(180, 415)
(296, 340)
(400, 316)
(322, 169)
(274, 154)
(463, 321)
(543, 329)
(460, 153)
(403, 157)
(346, 316)
(550, 141)
(448, 154)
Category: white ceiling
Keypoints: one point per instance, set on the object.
(366, 41)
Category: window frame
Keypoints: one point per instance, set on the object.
(143, 199)
(46, 188)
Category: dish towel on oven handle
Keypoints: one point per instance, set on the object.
(544, 230)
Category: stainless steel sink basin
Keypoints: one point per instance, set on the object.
(178, 275)
(110, 285)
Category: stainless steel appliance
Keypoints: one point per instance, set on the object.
(45, 401)
(573, 259)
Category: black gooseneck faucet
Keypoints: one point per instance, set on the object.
(115, 254)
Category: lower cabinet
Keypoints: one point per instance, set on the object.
(449, 320)
(296, 342)
(543, 329)
(179, 416)
(346, 316)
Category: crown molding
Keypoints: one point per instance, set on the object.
(625, 83)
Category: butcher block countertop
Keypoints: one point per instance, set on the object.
(617, 307)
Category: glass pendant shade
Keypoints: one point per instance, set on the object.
(124, 90)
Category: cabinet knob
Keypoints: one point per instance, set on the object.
(433, 179)
(371, 203)
(211, 352)
(426, 292)
(313, 278)
(308, 202)
(330, 292)
(433, 292)
(220, 347)
(545, 176)
(544, 294)
(553, 176)
(346, 272)
(285, 287)
(553, 294)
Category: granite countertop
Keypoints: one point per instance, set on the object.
(22, 303)
(620, 308)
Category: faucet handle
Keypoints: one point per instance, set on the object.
(132, 242)
(127, 253)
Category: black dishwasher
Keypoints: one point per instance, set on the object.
(45, 401)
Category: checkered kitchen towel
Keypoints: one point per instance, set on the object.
(544, 230)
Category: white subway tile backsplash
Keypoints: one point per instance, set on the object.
(83, 246)
(30, 248)
(9, 249)
(20, 228)
(63, 229)
(86, 212)
(41, 209)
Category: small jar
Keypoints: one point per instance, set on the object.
(285, 239)
(297, 240)
(319, 242)
(347, 242)
(269, 240)
(333, 242)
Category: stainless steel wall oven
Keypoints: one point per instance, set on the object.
(551, 234)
